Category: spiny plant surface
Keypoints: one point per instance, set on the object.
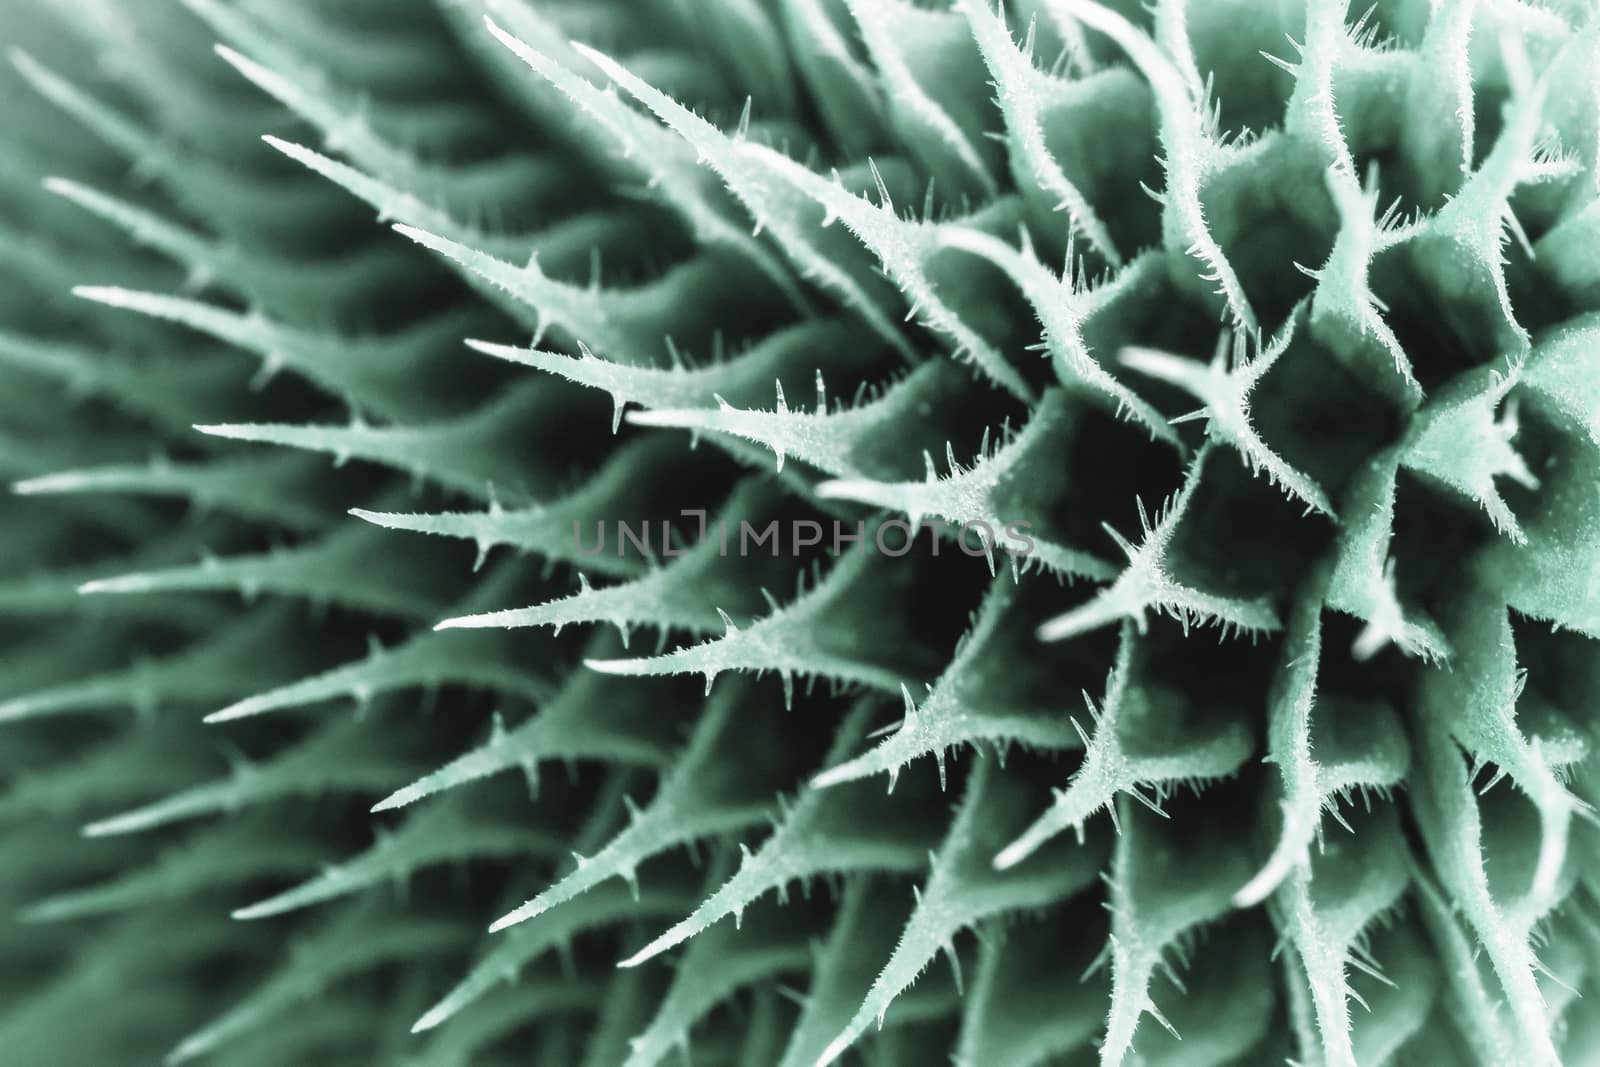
(327, 324)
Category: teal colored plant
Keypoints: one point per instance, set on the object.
(807, 531)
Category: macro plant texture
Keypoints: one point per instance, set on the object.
(333, 331)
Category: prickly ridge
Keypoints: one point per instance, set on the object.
(1055, 532)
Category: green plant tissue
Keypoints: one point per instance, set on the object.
(583, 533)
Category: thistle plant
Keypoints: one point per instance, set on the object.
(801, 531)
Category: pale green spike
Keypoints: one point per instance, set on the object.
(32, 529)
(1343, 297)
(1190, 151)
(391, 202)
(1197, 744)
(1479, 220)
(565, 247)
(904, 248)
(582, 313)
(1477, 703)
(1224, 387)
(657, 156)
(442, 129)
(1438, 117)
(813, 636)
(569, 246)
(266, 489)
(1310, 116)
(307, 93)
(600, 908)
(1556, 576)
(963, 889)
(1483, 1009)
(350, 945)
(141, 762)
(981, 497)
(593, 718)
(702, 795)
(458, 453)
(1022, 91)
(718, 965)
(1171, 25)
(203, 671)
(1363, 577)
(962, 707)
(1463, 439)
(1061, 311)
(867, 922)
(1146, 584)
(886, 30)
(1449, 816)
(222, 858)
(685, 593)
(343, 568)
(821, 833)
(443, 833)
(811, 345)
(338, 758)
(1221, 1008)
(345, 370)
(234, 200)
(831, 441)
(557, 530)
(778, 208)
(1168, 878)
(455, 190)
(199, 255)
(1326, 906)
(50, 592)
(428, 659)
(278, 283)
(1358, 745)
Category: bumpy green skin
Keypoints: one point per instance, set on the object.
(1320, 375)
